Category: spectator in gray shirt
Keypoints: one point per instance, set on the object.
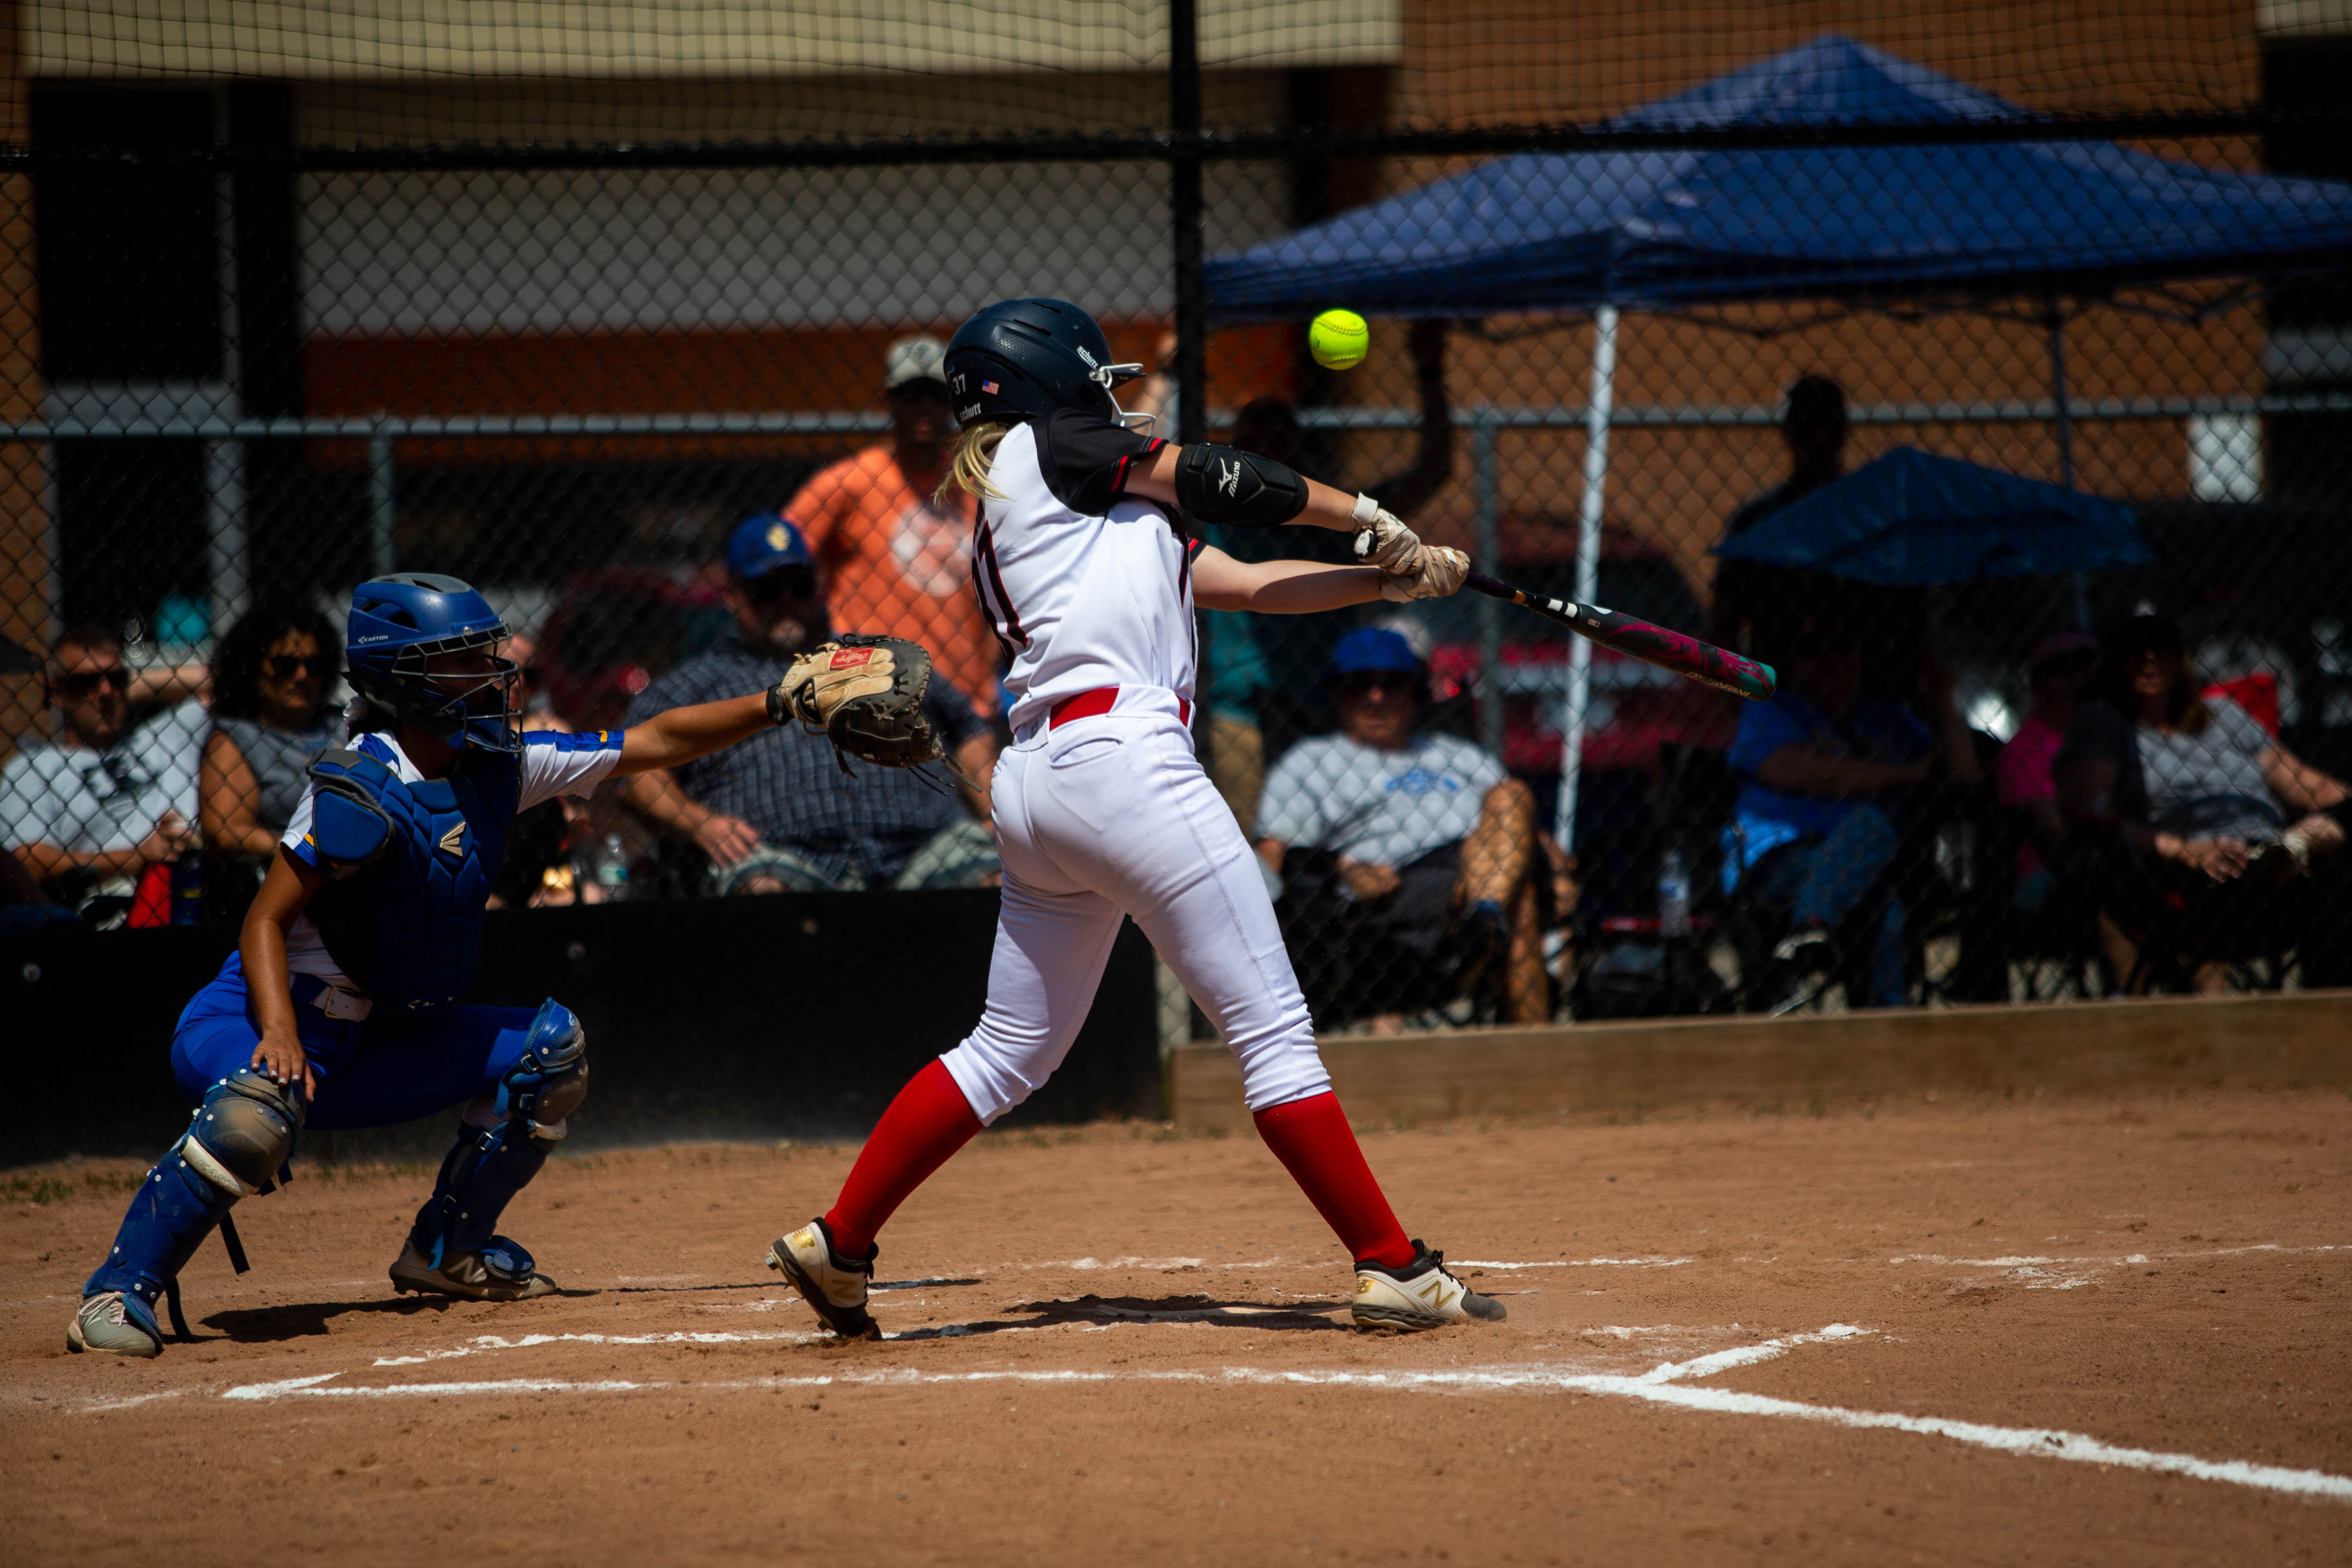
(776, 814)
(93, 809)
(1430, 849)
(2204, 819)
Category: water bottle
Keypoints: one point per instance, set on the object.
(1673, 895)
(188, 889)
(613, 868)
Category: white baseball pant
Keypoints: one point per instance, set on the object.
(1113, 814)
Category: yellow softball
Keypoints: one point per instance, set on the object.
(1338, 340)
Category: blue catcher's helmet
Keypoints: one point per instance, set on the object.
(1023, 359)
(399, 625)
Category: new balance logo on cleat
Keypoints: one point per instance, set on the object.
(1421, 1294)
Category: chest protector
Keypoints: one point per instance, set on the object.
(405, 922)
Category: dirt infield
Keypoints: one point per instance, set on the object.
(1980, 1330)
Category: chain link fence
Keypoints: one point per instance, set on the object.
(2007, 354)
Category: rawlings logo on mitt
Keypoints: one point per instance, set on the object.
(865, 695)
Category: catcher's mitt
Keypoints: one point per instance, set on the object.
(865, 695)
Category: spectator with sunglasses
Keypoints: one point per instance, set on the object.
(775, 815)
(1430, 849)
(270, 721)
(91, 810)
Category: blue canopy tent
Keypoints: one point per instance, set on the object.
(1856, 225)
(1911, 519)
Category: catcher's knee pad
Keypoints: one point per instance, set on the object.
(244, 1133)
(550, 1081)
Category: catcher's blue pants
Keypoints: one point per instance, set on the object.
(390, 1068)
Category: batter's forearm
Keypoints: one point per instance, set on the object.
(1301, 588)
(1279, 588)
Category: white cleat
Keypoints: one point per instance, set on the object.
(1421, 1294)
(832, 1284)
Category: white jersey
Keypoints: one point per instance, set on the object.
(1084, 587)
(554, 763)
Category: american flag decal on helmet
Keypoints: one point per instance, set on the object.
(988, 387)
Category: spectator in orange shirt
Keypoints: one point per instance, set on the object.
(894, 560)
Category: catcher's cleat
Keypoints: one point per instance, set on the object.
(834, 1286)
(117, 1323)
(1420, 1295)
(502, 1271)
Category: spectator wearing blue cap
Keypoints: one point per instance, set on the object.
(774, 814)
(1428, 851)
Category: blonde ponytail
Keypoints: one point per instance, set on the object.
(974, 456)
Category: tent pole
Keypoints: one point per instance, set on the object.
(1488, 488)
(1587, 568)
(2056, 320)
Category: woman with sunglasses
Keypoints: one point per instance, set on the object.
(270, 721)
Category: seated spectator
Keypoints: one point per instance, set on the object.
(2178, 799)
(776, 814)
(92, 810)
(2024, 775)
(1823, 771)
(270, 721)
(1433, 851)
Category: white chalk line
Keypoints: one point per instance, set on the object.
(1668, 1383)
(2030, 1260)
(485, 1343)
(2038, 1272)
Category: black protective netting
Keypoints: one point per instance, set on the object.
(553, 297)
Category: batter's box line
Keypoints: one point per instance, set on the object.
(486, 1342)
(1668, 1383)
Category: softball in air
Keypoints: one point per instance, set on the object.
(1338, 340)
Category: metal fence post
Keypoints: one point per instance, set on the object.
(382, 517)
(1186, 209)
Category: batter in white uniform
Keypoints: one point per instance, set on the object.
(1084, 563)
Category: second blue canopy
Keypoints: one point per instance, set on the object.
(1914, 520)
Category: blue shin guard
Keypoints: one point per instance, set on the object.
(488, 1165)
(486, 1168)
(237, 1143)
(175, 1210)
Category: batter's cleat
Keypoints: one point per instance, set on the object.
(117, 1323)
(502, 1271)
(1420, 1295)
(832, 1284)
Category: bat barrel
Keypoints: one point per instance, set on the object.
(1684, 656)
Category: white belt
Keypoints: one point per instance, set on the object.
(349, 1006)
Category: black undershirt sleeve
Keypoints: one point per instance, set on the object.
(1086, 459)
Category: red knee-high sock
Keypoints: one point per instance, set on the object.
(1313, 1140)
(930, 1121)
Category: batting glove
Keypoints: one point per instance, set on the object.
(1437, 570)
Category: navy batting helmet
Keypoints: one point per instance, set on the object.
(1023, 359)
(399, 625)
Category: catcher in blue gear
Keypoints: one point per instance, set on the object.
(342, 1006)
